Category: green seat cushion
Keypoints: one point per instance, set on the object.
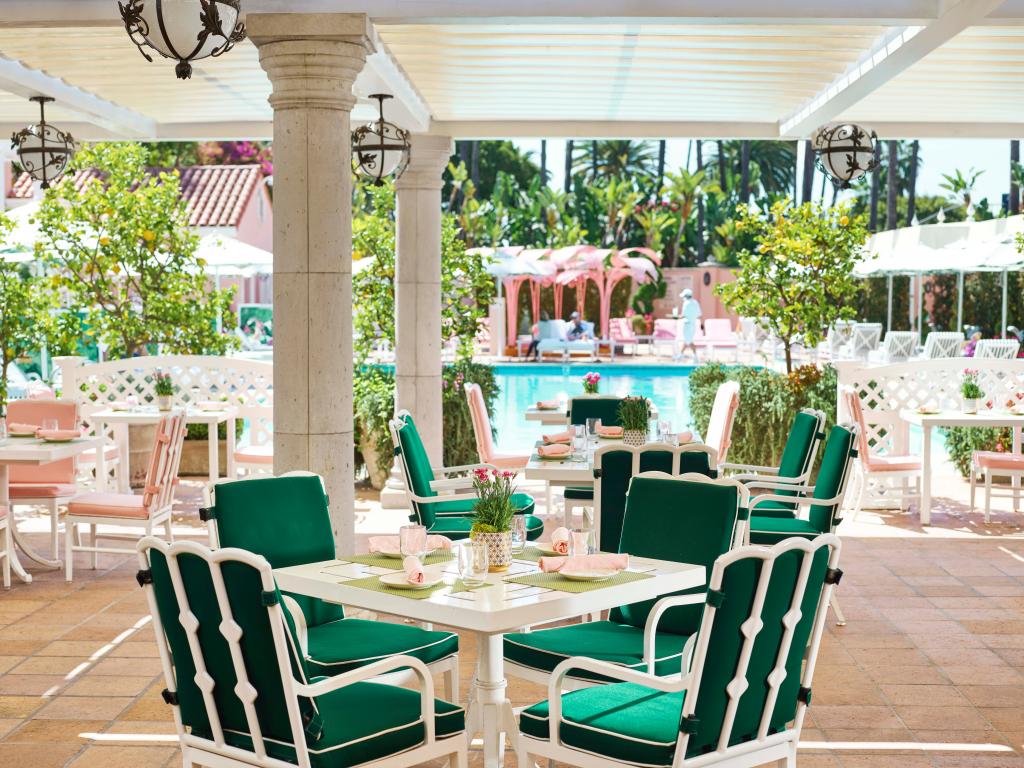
(623, 644)
(772, 530)
(623, 722)
(363, 722)
(523, 502)
(773, 508)
(458, 527)
(350, 643)
(580, 493)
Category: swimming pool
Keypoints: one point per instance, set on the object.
(668, 387)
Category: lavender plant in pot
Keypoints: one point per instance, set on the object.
(492, 515)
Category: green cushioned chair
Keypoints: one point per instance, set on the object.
(451, 514)
(243, 693)
(285, 519)
(689, 519)
(795, 465)
(605, 408)
(742, 699)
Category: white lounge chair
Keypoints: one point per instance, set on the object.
(999, 349)
(864, 339)
(898, 347)
(553, 335)
(941, 344)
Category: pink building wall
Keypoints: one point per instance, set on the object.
(700, 280)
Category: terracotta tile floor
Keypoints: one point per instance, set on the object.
(928, 672)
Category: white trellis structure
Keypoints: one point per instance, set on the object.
(885, 390)
(247, 385)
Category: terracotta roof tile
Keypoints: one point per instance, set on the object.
(215, 195)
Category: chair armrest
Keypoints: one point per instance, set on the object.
(750, 469)
(451, 483)
(654, 616)
(376, 670)
(779, 485)
(462, 468)
(614, 671)
(436, 499)
(299, 619)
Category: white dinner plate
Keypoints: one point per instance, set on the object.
(399, 581)
(545, 549)
(58, 439)
(597, 574)
(563, 457)
(396, 553)
(610, 437)
(21, 434)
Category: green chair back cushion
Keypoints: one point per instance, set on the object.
(835, 465)
(796, 454)
(286, 520)
(417, 467)
(678, 520)
(726, 644)
(604, 408)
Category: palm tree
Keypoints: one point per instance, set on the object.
(892, 186)
(544, 161)
(620, 158)
(875, 184)
(686, 190)
(912, 183)
(960, 187)
(745, 172)
(808, 173)
(568, 166)
(721, 165)
(661, 164)
(1014, 203)
(700, 207)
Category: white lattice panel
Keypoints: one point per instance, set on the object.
(885, 390)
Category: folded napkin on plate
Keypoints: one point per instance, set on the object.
(685, 437)
(391, 543)
(609, 431)
(600, 562)
(552, 451)
(22, 429)
(560, 540)
(558, 437)
(547, 405)
(58, 434)
(413, 570)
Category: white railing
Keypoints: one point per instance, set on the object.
(246, 384)
(885, 390)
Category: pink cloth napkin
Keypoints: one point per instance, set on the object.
(547, 405)
(558, 437)
(609, 431)
(559, 449)
(601, 562)
(560, 540)
(413, 570)
(58, 434)
(685, 437)
(22, 429)
(391, 543)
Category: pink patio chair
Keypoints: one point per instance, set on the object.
(151, 508)
(47, 485)
(6, 545)
(665, 334)
(484, 436)
(988, 464)
(723, 416)
(620, 331)
(890, 471)
(718, 334)
(255, 459)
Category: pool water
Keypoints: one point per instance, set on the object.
(668, 387)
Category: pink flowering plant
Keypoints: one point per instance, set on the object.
(494, 510)
(590, 382)
(163, 384)
(970, 389)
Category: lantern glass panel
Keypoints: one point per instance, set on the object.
(175, 27)
(44, 161)
(378, 161)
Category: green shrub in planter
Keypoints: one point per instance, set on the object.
(768, 403)
(201, 431)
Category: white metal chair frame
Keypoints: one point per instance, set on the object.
(765, 748)
(447, 667)
(216, 752)
(943, 344)
(898, 346)
(996, 349)
(987, 474)
(864, 338)
(739, 537)
(166, 477)
(755, 472)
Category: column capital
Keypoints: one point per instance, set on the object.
(428, 157)
(312, 59)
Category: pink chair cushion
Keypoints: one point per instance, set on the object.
(108, 505)
(33, 412)
(509, 461)
(42, 490)
(998, 460)
(481, 422)
(256, 454)
(665, 329)
(893, 463)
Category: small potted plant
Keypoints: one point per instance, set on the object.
(635, 417)
(970, 390)
(492, 515)
(164, 387)
(590, 382)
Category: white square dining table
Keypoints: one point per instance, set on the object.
(489, 612)
(33, 452)
(949, 418)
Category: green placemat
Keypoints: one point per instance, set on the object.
(562, 584)
(395, 563)
(530, 555)
(374, 584)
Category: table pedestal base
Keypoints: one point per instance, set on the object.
(489, 712)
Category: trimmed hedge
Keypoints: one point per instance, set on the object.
(962, 441)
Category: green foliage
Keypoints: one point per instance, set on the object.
(202, 431)
(163, 384)
(493, 510)
(768, 403)
(798, 277)
(961, 442)
(969, 387)
(635, 413)
(123, 252)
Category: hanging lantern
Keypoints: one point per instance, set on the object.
(380, 148)
(184, 30)
(43, 149)
(844, 152)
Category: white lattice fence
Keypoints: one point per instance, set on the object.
(246, 384)
(885, 390)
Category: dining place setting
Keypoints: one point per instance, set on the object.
(48, 432)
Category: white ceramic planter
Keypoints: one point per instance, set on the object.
(164, 402)
(970, 405)
(499, 549)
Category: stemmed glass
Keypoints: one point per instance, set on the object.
(412, 540)
(473, 562)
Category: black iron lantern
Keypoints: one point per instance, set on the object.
(380, 148)
(184, 30)
(43, 149)
(844, 152)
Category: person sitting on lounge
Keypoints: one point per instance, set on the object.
(577, 331)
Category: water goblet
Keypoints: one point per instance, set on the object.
(412, 540)
(581, 542)
(593, 425)
(579, 442)
(473, 562)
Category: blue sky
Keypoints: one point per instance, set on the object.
(938, 156)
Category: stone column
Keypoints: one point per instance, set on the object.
(418, 288)
(312, 61)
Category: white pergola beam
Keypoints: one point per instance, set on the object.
(382, 74)
(26, 82)
(893, 53)
(609, 129)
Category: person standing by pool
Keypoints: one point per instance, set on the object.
(691, 315)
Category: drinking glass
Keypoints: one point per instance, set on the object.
(592, 427)
(3, 428)
(412, 540)
(49, 424)
(581, 542)
(518, 534)
(665, 431)
(473, 562)
(579, 442)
